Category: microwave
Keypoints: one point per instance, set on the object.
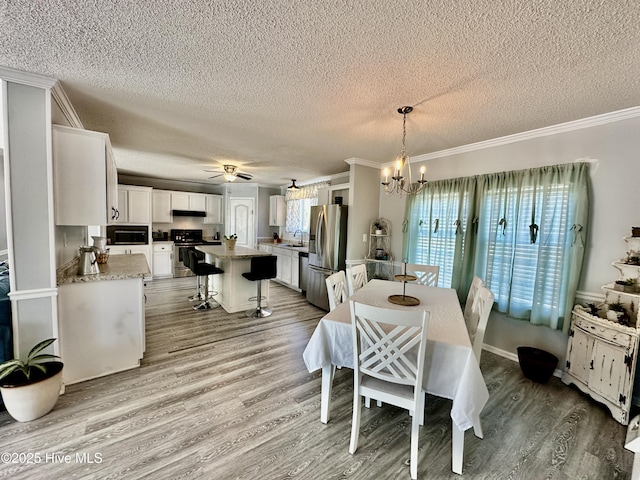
(127, 235)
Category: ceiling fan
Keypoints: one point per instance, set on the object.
(231, 173)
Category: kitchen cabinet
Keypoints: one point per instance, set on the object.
(85, 177)
(101, 327)
(129, 249)
(277, 211)
(161, 206)
(188, 201)
(134, 204)
(602, 351)
(213, 208)
(288, 265)
(162, 259)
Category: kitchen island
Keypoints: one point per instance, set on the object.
(234, 291)
(101, 317)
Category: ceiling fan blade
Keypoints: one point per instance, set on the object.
(244, 176)
(218, 175)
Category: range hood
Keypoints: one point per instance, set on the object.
(189, 213)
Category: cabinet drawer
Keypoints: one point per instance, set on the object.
(607, 334)
(162, 247)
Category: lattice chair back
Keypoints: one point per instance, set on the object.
(426, 274)
(356, 278)
(336, 289)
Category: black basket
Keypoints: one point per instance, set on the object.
(536, 364)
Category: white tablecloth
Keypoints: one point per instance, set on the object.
(451, 370)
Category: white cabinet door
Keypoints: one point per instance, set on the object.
(83, 175)
(213, 207)
(179, 201)
(139, 205)
(295, 270)
(608, 373)
(579, 352)
(122, 206)
(277, 211)
(197, 202)
(161, 207)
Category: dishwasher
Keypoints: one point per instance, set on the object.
(304, 270)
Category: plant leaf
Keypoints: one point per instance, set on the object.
(40, 346)
(40, 367)
(8, 367)
(43, 356)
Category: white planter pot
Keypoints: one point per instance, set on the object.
(28, 402)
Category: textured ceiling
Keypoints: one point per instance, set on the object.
(291, 89)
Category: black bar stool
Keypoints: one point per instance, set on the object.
(203, 269)
(262, 268)
(186, 261)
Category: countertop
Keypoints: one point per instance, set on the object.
(118, 267)
(223, 252)
(303, 249)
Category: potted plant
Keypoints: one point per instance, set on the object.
(615, 311)
(30, 388)
(628, 285)
(377, 227)
(230, 241)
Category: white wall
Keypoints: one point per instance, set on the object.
(615, 196)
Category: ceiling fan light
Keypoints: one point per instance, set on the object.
(229, 177)
(293, 185)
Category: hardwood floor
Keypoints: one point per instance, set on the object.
(222, 396)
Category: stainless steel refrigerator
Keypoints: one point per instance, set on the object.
(327, 249)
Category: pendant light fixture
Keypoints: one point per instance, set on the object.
(399, 185)
(293, 185)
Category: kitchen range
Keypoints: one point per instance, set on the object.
(181, 239)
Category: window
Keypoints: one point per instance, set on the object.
(521, 232)
(299, 203)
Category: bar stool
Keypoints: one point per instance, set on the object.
(186, 261)
(262, 268)
(203, 269)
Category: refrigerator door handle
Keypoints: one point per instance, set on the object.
(319, 234)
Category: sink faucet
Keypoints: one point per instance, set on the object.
(295, 234)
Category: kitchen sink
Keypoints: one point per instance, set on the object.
(290, 245)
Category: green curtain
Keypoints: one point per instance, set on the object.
(523, 232)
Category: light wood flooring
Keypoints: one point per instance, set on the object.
(222, 396)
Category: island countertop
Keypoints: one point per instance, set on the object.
(222, 252)
(118, 267)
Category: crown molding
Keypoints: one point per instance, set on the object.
(588, 122)
(26, 78)
(61, 99)
(362, 161)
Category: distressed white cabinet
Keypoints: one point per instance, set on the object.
(602, 351)
(161, 206)
(134, 204)
(288, 265)
(277, 211)
(85, 177)
(213, 208)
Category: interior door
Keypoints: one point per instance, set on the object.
(242, 220)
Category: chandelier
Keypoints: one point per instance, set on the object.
(399, 185)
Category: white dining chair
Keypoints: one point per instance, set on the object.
(356, 278)
(476, 283)
(389, 351)
(336, 289)
(479, 318)
(425, 274)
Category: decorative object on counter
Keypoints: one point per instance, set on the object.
(400, 185)
(101, 250)
(30, 388)
(88, 263)
(103, 257)
(230, 241)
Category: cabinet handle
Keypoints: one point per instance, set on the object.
(591, 367)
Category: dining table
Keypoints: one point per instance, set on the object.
(451, 368)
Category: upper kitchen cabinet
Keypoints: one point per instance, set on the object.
(213, 208)
(188, 201)
(85, 177)
(134, 204)
(161, 206)
(277, 211)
